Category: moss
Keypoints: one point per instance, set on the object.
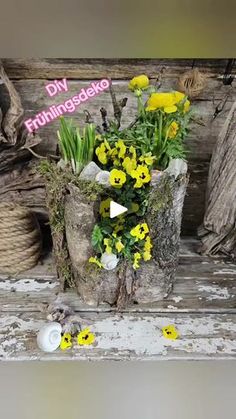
(161, 196)
(92, 190)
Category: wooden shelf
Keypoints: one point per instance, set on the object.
(202, 306)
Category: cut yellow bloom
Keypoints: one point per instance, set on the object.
(170, 332)
(104, 209)
(142, 176)
(148, 244)
(147, 158)
(65, 341)
(137, 257)
(140, 231)
(146, 256)
(129, 164)
(121, 147)
(117, 178)
(107, 243)
(170, 109)
(119, 246)
(85, 337)
(173, 129)
(96, 261)
(139, 82)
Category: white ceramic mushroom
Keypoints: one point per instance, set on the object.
(49, 337)
(109, 261)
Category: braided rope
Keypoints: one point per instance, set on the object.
(20, 239)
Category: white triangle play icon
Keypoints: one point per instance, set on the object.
(116, 209)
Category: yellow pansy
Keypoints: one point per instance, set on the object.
(85, 337)
(147, 158)
(129, 164)
(140, 231)
(96, 261)
(119, 246)
(148, 245)
(137, 257)
(142, 176)
(147, 256)
(117, 178)
(121, 147)
(119, 225)
(132, 151)
(139, 82)
(173, 129)
(104, 209)
(101, 153)
(107, 145)
(107, 243)
(170, 332)
(66, 342)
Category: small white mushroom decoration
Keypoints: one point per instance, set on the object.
(49, 337)
(109, 261)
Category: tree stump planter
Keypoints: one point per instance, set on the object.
(154, 280)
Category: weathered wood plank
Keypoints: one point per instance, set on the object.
(114, 68)
(126, 337)
(202, 285)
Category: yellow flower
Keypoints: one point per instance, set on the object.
(65, 341)
(148, 245)
(140, 231)
(102, 153)
(178, 96)
(132, 151)
(146, 256)
(96, 261)
(121, 147)
(104, 209)
(139, 82)
(137, 257)
(85, 337)
(117, 178)
(107, 243)
(173, 129)
(147, 158)
(170, 332)
(186, 106)
(142, 175)
(160, 100)
(119, 246)
(119, 225)
(134, 207)
(107, 145)
(129, 164)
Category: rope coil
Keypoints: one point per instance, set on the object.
(20, 239)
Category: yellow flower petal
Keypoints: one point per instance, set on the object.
(104, 209)
(117, 178)
(170, 109)
(119, 246)
(96, 261)
(85, 337)
(170, 332)
(66, 342)
(139, 82)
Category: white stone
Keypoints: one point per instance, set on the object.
(49, 337)
(103, 178)
(177, 167)
(109, 261)
(90, 171)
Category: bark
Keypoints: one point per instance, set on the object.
(218, 233)
(154, 280)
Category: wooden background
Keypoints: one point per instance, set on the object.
(31, 75)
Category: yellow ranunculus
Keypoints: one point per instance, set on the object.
(160, 100)
(121, 147)
(119, 246)
(139, 82)
(129, 164)
(96, 261)
(170, 109)
(107, 243)
(186, 106)
(140, 231)
(66, 342)
(104, 209)
(142, 176)
(137, 257)
(117, 178)
(85, 337)
(173, 129)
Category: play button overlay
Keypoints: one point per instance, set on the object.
(116, 209)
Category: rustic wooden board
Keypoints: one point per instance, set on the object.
(78, 68)
(133, 336)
